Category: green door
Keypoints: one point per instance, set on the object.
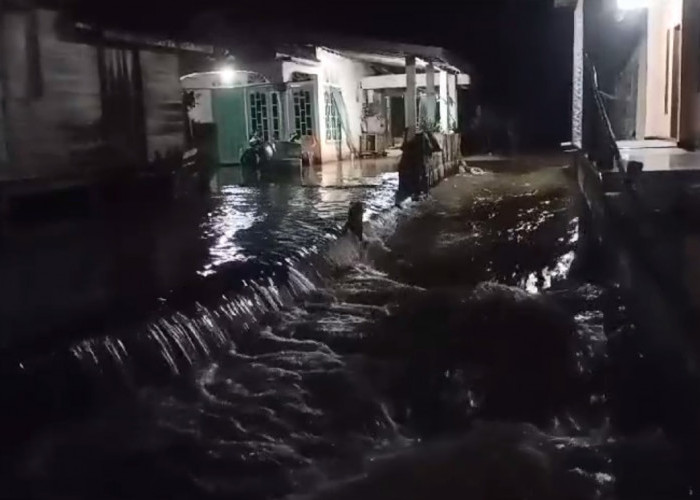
(232, 131)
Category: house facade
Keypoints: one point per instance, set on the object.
(340, 102)
(80, 102)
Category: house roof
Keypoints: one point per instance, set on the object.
(393, 53)
(119, 36)
(300, 45)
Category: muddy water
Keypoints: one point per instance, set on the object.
(457, 353)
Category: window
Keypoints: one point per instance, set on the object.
(276, 121)
(332, 118)
(302, 112)
(258, 115)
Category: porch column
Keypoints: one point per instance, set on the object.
(452, 104)
(578, 79)
(430, 94)
(444, 110)
(410, 97)
(286, 113)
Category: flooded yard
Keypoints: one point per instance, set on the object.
(458, 352)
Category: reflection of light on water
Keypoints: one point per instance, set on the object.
(536, 282)
(225, 223)
(333, 196)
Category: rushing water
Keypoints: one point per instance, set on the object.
(454, 354)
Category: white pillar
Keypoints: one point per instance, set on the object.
(285, 113)
(430, 94)
(452, 104)
(410, 97)
(444, 124)
(578, 79)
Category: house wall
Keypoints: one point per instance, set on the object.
(52, 97)
(663, 16)
(313, 146)
(346, 74)
(690, 75)
(624, 108)
(72, 108)
(162, 99)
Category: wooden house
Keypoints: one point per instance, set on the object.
(80, 104)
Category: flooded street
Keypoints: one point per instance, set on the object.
(247, 349)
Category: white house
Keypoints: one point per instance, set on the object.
(347, 100)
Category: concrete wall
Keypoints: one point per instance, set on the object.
(664, 15)
(345, 74)
(624, 109)
(690, 75)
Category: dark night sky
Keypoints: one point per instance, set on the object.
(520, 49)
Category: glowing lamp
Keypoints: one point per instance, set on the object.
(227, 75)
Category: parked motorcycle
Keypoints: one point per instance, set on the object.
(262, 154)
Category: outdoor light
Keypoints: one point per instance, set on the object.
(633, 4)
(227, 75)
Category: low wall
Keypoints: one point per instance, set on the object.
(426, 160)
(444, 162)
(643, 256)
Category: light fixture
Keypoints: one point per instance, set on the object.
(227, 75)
(633, 4)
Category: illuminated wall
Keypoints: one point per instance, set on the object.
(664, 16)
(345, 74)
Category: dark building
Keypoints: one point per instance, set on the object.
(80, 103)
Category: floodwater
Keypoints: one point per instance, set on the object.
(247, 349)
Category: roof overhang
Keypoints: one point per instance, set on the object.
(96, 33)
(394, 54)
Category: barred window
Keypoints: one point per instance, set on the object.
(332, 118)
(258, 115)
(302, 112)
(276, 116)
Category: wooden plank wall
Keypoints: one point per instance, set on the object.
(74, 108)
(52, 97)
(162, 94)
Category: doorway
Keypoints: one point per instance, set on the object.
(229, 108)
(397, 119)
